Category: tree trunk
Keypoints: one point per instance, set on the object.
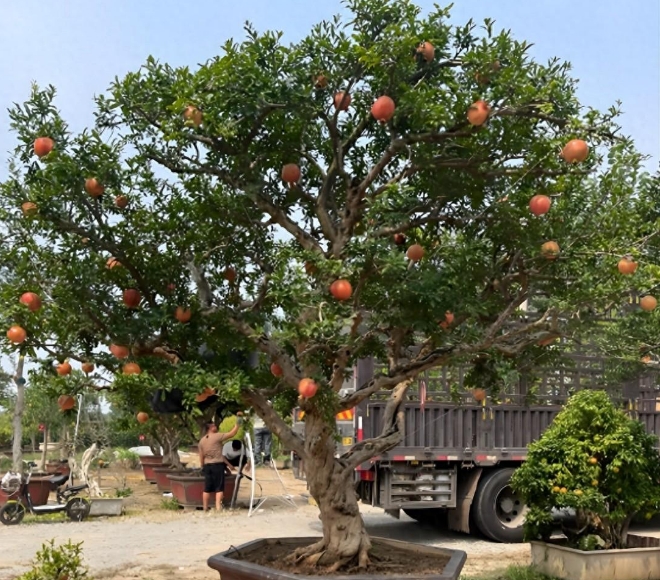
(33, 442)
(64, 441)
(345, 540)
(170, 443)
(17, 423)
(44, 453)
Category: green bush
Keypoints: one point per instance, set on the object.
(228, 424)
(56, 563)
(126, 458)
(597, 461)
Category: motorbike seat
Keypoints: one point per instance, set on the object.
(58, 480)
(78, 487)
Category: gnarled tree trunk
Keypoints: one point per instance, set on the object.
(345, 540)
(17, 424)
(169, 439)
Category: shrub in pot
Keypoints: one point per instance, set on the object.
(596, 460)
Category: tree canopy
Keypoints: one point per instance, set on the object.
(209, 212)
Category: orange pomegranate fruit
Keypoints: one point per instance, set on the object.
(31, 300)
(230, 274)
(427, 50)
(131, 298)
(131, 369)
(193, 116)
(63, 369)
(87, 367)
(575, 151)
(182, 314)
(479, 395)
(29, 208)
(648, 303)
(119, 351)
(291, 173)
(478, 113)
(415, 253)
(43, 146)
(320, 82)
(399, 239)
(341, 289)
(307, 388)
(342, 101)
(383, 109)
(94, 187)
(448, 320)
(550, 250)
(276, 370)
(540, 204)
(16, 334)
(626, 266)
(142, 417)
(112, 263)
(121, 201)
(66, 402)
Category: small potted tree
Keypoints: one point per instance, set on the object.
(597, 461)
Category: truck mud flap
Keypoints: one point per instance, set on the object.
(459, 518)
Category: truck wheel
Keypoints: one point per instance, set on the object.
(498, 511)
(436, 517)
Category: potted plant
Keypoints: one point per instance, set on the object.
(597, 461)
(187, 487)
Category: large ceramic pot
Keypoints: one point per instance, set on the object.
(234, 564)
(162, 473)
(568, 564)
(39, 490)
(148, 463)
(187, 488)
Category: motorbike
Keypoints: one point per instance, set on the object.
(17, 487)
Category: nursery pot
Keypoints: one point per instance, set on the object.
(148, 463)
(39, 490)
(112, 506)
(236, 563)
(162, 473)
(569, 564)
(187, 488)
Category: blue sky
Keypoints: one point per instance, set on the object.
(80, 46)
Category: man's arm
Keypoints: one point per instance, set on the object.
(228, 464)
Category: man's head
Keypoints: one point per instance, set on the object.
(236, 445)
(211, 428)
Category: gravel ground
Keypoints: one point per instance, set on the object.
(160, 544)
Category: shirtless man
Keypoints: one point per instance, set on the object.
(213, 462)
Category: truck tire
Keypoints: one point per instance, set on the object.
(436, 517)
(497, 510)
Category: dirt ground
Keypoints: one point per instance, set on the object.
(153, 543)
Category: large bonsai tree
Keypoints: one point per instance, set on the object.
(368, 191)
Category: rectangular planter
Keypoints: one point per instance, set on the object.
(40, 488)
(106, 506)
(187, 489)
(148, 463)
(569, 564)
(231, 567)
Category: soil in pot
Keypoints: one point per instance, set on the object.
(385, 560)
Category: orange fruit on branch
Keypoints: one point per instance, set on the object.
(648, 303)
(121, 201)
(341, 289)
(479, 395)
(119, 351)
(291, 173)
(575, 151)
(193, 116)
(142, 417)
(87, 367)
(31, 300)
(540, 204)
(383, 109)
(427, 50)
(182, 314)
(16, 334)
(64, 369)
(550, 250)
(415, 253)
(29, 208)
(399, 239)
(342, 101)
(43, 146)
(307, 388)
(276, 370)
(230, 274)
(94, 187)
(320, 82)
(626, 266)
(131, 298)
(66, 402)
(478, 113)
(112, 263)
(131, 369)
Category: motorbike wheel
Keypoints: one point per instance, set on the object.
(77, 509)
(12, 513)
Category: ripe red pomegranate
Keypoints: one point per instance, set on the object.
(342, 101)
(29, 208)
(142, 417)
(182, 314)
(66, 402)
(31, 300)
(399, 239)
(341, 289)
(16, 334)
(64, 369)
(415, 253)
(383, 109)
(291, 173)
(307, 388)
(540, 204)
(276, 370)
(427, 50)
(43, 146)
(94, 187)
(119, 351)
(626, 266)
(131, 369)
(478, 113)
(132, 298)
(575, 151)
